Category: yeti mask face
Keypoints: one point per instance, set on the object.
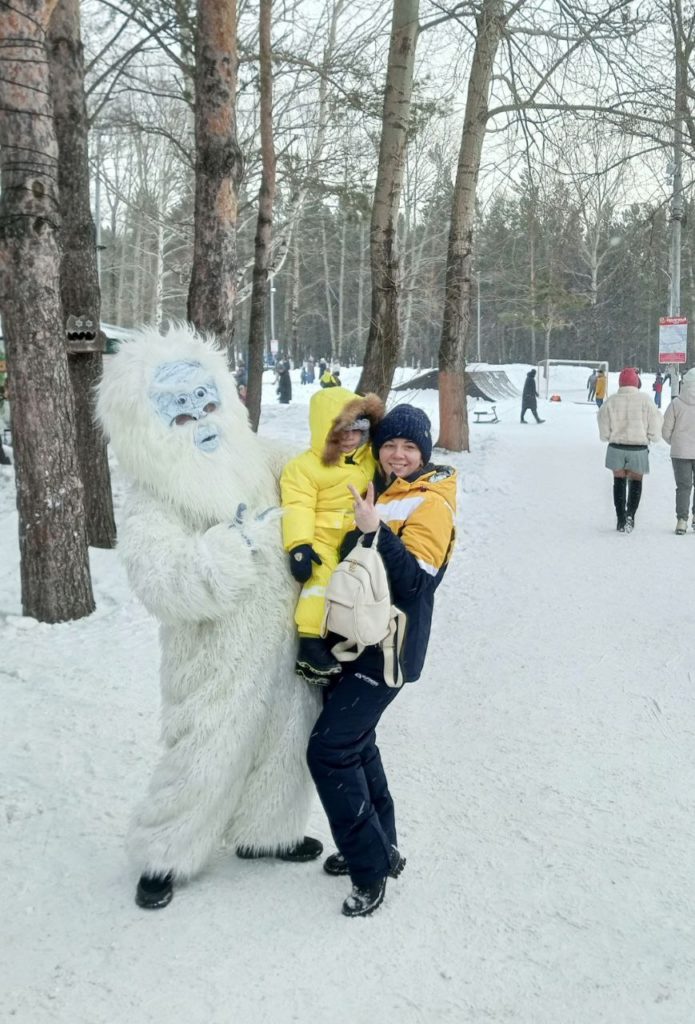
(184, 395)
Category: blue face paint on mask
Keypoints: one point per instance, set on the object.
(182, 394)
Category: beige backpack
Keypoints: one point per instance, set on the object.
(359, 608)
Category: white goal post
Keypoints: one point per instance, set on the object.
(545, 364)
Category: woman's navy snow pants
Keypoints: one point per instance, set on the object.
(346, 767)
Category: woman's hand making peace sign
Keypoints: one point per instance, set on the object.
(366, 515)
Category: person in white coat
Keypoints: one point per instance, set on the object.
(629, 421)
(202, 546)
(679, 432)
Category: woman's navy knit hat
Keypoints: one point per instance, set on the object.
(408, 422)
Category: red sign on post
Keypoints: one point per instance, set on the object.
(673, 339)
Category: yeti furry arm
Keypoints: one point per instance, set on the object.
(182, 576)
(276, 455)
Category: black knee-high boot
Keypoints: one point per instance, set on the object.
(619, 490)
(634, 493)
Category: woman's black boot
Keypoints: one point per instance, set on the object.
(619, 490)
(364, 900)
(634, 493)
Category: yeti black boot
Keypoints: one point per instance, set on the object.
(306, 849)
(154, 891)
(619, 491)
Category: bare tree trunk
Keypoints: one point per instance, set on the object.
(264, 225)
(414, 275)
(548, 332)
(456, 324)
(282, 240)
(52, 538)
(120, 318)
(294, 301)
(218, 171)
(360, 285)
(532, 271)
(136, 310)
(158, 290)
(383, 343)
(341, 293)
(327, 288)
(79, 282)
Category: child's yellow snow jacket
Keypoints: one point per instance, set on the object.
(314, 488)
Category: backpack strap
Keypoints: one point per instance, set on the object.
(346, 650)
(392, 646)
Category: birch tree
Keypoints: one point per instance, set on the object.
(54, 564)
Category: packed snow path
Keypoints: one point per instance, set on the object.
(542, 770)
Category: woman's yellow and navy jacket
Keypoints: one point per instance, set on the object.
(318, 507)
(415, 541)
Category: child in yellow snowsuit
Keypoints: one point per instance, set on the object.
(319, 509)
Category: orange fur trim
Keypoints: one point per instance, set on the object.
(370, 407)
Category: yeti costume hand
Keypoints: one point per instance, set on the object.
(190, 578)
(200, 538)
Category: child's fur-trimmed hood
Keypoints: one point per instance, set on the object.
(368, 407)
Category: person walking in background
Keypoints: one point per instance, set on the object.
(679, 432)
(591, 385)
(330, 378)
(284, 388)
(601, 388)
(629, 422)
(657, 388)
(529, 398)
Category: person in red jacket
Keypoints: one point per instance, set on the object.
(657, 388)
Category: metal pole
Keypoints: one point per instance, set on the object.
(676, 219)
(477, 277)
(272, 310)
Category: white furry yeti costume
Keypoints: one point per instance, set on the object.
(235, 718)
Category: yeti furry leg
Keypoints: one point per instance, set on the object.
(274, 807)
(193, 793)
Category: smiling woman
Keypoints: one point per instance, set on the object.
(408, 516)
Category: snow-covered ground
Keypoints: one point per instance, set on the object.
(543, 771)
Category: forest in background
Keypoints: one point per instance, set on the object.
(422, 182)
(571, 222)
